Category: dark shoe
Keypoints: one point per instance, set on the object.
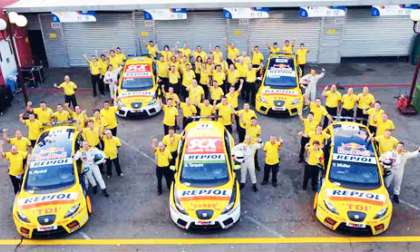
(95, 189)
(254, 187)
(300, 161)
(396, 199)
(159, 192)
(105, 193)
(257, 168)
(241, 185)
(274, 184)
(264, 182)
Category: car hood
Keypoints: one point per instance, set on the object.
(283, 94)
(129, 97)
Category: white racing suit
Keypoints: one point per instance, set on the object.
(248, 164)
(399, 161)
(311, 82)
(90, 168)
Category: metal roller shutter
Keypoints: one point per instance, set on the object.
(145, 32)
(365, 35)
(109, 30)
(286, 24)
(238, 33)
(53, 42)
(206, 29)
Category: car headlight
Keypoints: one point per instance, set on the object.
(231, 200)
(72, 211)
(178, 204)
(381, 213)
(263, 99)
(22, 217)
(330, 207)
(295, 101)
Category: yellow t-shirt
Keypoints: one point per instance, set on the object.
(15, 163)
(232, 99)
(206, 72)
(103, 65)
(225, 113)
(111, 147)
(188, 110)
(288, 49)
(44, 116)
(242, 70)
(91, 136)
(197, 67)
(162, 157)
(68, 87)
(383, 126)
(301, 54)
(151, 50)
(386, 143)
(349, 101)
(232, 53)
(332, 99)
(172, 96)
(217, 57)
(109, 119)
(62, 116)
(114, 61)
(120, 57)
(21, 144)
(219, 77)
(257, 58)
(171, 142)
(185, 52)
(309, 127)
(315, 157)
(253, 131)
(167, 55)
(187, 78)
(374, 116)
(232, 77)
(271, 153)
(34, 128)
(80, 119)
(162, 69)
(205, 111)
(94, 67)
(246, 117)
(202, 54)
(318, 112)
(318, 137)
(195, 94)
(251, 75)
(169, 115)
(274, 50)
(364, 101)
(173, 77)
(216, 94)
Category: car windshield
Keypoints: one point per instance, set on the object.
(354, 175)
(205, 172)
(49, 177)
(137, 83)
(281, 73)
(280, 82)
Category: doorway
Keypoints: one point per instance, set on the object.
(38, 48)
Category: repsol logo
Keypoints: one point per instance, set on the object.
(49, 197)
(51, 162)
(356, 194)
(202, 192)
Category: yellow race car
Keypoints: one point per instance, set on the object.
(352, 195)
(280, 91)
(137, 89)
(52, 199)
(205, 192)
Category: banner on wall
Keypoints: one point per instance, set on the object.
(393, 10)
(245, 13)
(73, 16)
(323, 11)
(165, 14)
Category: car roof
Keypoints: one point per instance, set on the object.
(138, 60)
(205, 129)
(55, 140)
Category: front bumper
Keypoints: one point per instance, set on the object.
(59, 227)
(269, 109)
(338, 223)
(224, 221)
(147, 111)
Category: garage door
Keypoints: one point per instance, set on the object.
(206, 29)
(284, 25)
(109, 30)
(365, 35)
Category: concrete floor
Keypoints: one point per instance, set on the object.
(135, 211)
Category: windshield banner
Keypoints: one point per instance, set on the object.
(205, 158)
(51, 162)
(49, 199)
(286, 92)
(352, 195)
(205, 194)
(137, 71)
(204, 145)
(137, 93)
(275, 72)
(353, 158)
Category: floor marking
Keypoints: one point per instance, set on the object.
(410, 205)
(84, 235)
(371, 85)
(263, 226)
(214, 241)
(144, 154)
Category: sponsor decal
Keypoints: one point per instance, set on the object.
(213, 157)
(204, 145)
(281, 60)
(353, 158)
(50, 153)
(354, 149)
(205, 194)
(48, 199)
(352, 195)
(286, 92)
(136, 94)
(137, 71)
(50, 162)
(275, 72)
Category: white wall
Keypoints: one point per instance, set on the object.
(7, 60)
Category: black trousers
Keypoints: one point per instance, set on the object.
(273, 169)
(166, 128)
(229, 128)
(331, 112)
(311, 172)
(186, 121)
(173, 160)
(116, 163)
(114, 131)
(257, 165)
(241, 133)
(163, 171)
(16, 183)
(372, 129)
(249, 92)
(360, 114)
(94, 79)
(71, 100)
(33, 142)
(302, 69)
(303, 141)
(347, 113)
(175, 87)
(164, 82)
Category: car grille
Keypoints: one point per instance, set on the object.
(279, 103)
(49, 234)
(356, 216)
(349, 230)
(204, 214)
(136, 105)
(46, 219)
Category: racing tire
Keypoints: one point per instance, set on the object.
(89, 205)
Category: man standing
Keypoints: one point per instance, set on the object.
(111, 146)
(15, 159)
(170, 114)
(302, 54)
(310, 82)
(364, 101)
(34, 127)
(225, 113)
(309, 127)
(348, 103)
(244, 116)
(69, 88)
(171, 142)
(163, 158)
(399, 157)
(332, 99)
(109, 117)
(314, 162)
(188, 112)
(95, 74)
(272, 160)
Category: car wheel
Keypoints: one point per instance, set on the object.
(89, 205)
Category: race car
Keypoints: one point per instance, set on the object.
(205, 193)
(352, 195)
(137, 90)
(52, 199)
(280, 92)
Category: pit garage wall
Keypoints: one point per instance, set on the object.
(328, 39)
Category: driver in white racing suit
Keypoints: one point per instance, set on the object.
(91, 157)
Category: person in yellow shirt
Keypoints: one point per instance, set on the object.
(22, 143)
(79, 116)
(185, 51)
(220, 76)
(16, 165)
(162, 70)
(205, 75)
(309, 127)
(272, 160)
(199, 52)
(253, 130)
(374, 115)
(242, 72)
(61, 116)
(244, 116)
(195, 93)
(364, 102)
(95, 74)
(250, 89)
(233, 95)
(198, 66)
(257, 57)
(332, 99)
(151, 49)
(232, 76)
(206, 110)
(163, 159)
(69, 88)
(44, 114)
(287, 47)
(216, 93)
(174, 77)
(120, 55)
(318, 135)
(171, 95)
(109, 117)
(217, 55)
(187, 77)
(232, 53)
(384, 123)
(225, 114)
(319, 111)
(386, 142)
(301, 57)
(171, 141)
(348, 103)
(274, 48)
(114, 60)
(314, 164)
(111, 148)
(92, 134)
(188, 112)
(170, 114)
(103, 65)
(34, 127)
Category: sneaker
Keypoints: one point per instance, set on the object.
(264, 182)
(95, 189)
(396, 199)
(254, 188)
(105, 193)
